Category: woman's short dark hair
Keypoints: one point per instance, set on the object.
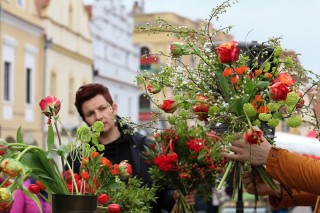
(88, 91)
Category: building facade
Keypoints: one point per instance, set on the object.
(67, 54)
(116, 58)
(21, 66)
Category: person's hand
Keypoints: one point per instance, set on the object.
(190, 198)
(256, 154)
(262, 188)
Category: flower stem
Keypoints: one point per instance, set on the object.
(59, 139)
(225, 174)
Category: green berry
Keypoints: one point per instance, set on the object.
(273, 106)
(294, 121)
(249, 110)
(292, 99)
(256, 122)
(265, 116)
(273, 122)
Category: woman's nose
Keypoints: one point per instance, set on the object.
(98, 116)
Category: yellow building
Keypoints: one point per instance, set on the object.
(21, 76)
(68, 53)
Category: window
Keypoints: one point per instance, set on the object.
(28, 86)
(21, 3)
(7, 79)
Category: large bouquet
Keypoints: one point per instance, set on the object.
(236, 87)
(186, 160)
(112, 183)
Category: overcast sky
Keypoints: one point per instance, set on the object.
(297, 22)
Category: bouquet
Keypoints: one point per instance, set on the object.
(234, 88)
(97, 175)
(185, 160)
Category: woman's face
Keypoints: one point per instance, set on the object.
(98, 109)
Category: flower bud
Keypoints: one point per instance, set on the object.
(11, 167)
(50, 106)
(176, 49)
(103, 198)
(5, 194)
(125, 170)
(3, 146)
(34, 188)
(169, 106)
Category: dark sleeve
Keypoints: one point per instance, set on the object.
(165, 199)
(75, 165)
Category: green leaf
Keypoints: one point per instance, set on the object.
(19, 136)
(263, 84)
(63, 150)
(50, 138)
(224, 84)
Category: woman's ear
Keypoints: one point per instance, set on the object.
(114, 109)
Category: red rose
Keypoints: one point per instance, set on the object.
(103, 198)
(169, 106)
(163, 162)
(34, 188)
(285, 78)
(279, 91)
(195, 144)
(253, 136)
(228, 52)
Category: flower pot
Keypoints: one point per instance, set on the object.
(74, 203)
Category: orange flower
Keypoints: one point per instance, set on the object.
(227, 72)
(268, 75)
(258, 72)
(258, 98)
(241, 70)
(94, 155)
(263, 109)
(228, 52)
(235, 79)
(285, 78)
(106, 162)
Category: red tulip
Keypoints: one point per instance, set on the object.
(34, 188)
(41, 186)
(114, 208)
(103, 198)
